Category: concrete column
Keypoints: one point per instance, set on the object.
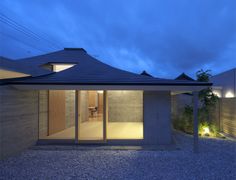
(195, 122)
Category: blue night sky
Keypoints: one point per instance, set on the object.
(165, 38)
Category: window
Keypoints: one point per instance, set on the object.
(57, 67)
(61, 67)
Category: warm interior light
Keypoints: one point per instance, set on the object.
(229, 94)
(206, 130)
(61, 67)
(99, 92)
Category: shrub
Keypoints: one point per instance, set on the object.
(208, 101)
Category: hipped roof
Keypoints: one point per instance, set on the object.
(89, 71)
(185, 77)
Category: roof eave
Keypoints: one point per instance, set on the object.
(114, 84)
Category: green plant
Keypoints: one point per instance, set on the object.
(204, 129)
(207, 103)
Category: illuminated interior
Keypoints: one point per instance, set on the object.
(124, 115)
(57, 114)
(61, 67)
(91, 115)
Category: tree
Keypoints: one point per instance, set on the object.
(206, 96)
(208, 102)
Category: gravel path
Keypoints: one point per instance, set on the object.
(216, 160)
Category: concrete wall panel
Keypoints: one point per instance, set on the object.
(125, 106)
(70, 108)
(18, 120)
(157, 117)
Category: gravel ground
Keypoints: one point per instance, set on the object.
(216, 160)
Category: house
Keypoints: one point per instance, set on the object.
(181, 100)
(8, 69)
(15, 69)
(70, 97)
(224, 85)
(144, 73)
(224, 113)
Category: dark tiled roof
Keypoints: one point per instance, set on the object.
(89, 71)
(144, 73)
(184, 77)
(17, 66)
(10, 65)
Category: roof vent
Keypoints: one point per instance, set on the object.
(75, 49)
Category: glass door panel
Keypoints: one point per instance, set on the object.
(90, 115)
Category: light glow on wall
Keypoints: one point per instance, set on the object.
(229, 94)
(217, 93)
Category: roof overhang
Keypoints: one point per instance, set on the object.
(180, 88)
(9, 74)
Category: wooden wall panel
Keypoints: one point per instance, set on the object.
(228, 116)
(56, 111)
(92, 98)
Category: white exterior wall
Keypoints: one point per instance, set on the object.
(227, 81)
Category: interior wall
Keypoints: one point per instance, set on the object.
(100, 103)
(57, 111)
(125, 106)
(70, 108)
(18, 120)
(93, 98)
(84, 106)
(43, 113)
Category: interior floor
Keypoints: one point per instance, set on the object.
(94, 131)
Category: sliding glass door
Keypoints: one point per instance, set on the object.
(125, 115)
(57, 114)
(91, 115)
(90, 125)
